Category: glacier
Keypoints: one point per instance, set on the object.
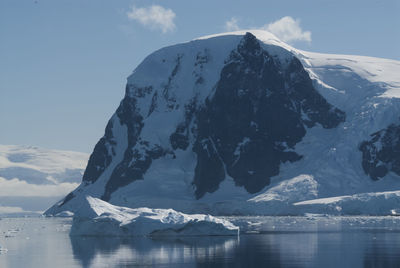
(150, 153)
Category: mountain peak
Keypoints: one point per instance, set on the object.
(224, 118)
(262, 35)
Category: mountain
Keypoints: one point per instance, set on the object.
(242, 123)
(32, 178)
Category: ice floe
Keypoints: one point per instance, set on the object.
(99, 218)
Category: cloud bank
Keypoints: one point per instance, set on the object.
(154, 17)
(286, 29)
(10, 210)
(19, 188)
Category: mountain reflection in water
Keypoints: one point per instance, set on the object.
(359, 249)
(108, 251)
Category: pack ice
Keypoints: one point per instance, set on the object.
(99, 218)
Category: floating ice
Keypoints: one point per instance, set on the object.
(99, 218)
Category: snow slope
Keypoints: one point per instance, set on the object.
(366, 89)
(99, 218)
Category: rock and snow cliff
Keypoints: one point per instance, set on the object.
(243, 123)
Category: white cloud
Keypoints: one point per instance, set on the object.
(232, 25)
(16, 187)
(9, 210)
(288, 30)
(154, 17)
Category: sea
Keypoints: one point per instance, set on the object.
(308, 241)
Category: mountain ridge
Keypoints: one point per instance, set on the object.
(157, 149)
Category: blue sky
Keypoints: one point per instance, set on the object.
(64, 63)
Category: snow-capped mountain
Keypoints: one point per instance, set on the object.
(244, 123)
(32, 178)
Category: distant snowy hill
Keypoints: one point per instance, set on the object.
(243, 123)
(31, 178)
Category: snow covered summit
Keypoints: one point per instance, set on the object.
(225, 123)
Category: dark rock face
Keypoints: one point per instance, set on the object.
(256, 116)
(180, 138)
(381, 154)
(67, 198)
(101, 157)
(138, 156)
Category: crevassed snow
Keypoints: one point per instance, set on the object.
(99, 218)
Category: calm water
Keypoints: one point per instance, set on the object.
(264, 242)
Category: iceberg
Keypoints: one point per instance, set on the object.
(98, 218)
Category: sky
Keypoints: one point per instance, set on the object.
(64, 63)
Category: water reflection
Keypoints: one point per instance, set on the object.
(268, 250)
(104, 252)
(321, 249)
(387, 255)
(282, 242)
